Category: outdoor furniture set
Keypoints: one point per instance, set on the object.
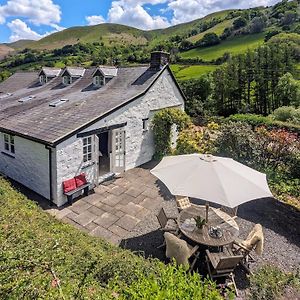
(218, 180)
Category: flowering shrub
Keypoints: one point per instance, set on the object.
(197, 139)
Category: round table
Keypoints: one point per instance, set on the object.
(216, 217)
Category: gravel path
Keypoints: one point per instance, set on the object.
(281, 224)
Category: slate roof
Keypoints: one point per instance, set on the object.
(50, 72)
(108, 71)
(75, 72)
(36, 120)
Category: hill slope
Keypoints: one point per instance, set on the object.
(4, 50)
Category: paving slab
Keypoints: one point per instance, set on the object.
(106, 219)
(127, 222)
(121, 232)
(85, 218)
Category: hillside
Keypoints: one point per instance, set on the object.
(4, 50)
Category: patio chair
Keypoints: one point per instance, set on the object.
(232, 212)
(180, 250)
(167, 224)
(222, 264)
(254, 241)
(182, 203)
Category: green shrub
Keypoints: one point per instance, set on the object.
(284, 113)
(162, 127)
(270, 283)
(258, 120)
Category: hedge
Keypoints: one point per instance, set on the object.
(258, 120)
(43, 258)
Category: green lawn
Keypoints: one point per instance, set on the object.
(234, 46)
(218, 29)
(183, 72)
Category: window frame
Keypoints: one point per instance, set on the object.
(65, 82)
(9, 144)
(99, 80)
(145, 124)
(87, 149)
(43, 79)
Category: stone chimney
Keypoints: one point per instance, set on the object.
(159, 59)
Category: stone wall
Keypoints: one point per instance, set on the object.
(139, 143)
(29, 166)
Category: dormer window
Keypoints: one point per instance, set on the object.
(99, 80)
(43, 79)
(67, 80)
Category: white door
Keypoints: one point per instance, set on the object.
(96, 159)
(118, 150)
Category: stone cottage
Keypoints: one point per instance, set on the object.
(56, 124)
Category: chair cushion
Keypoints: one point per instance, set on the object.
(69, 185)
(177, 249)
(171, 225)
(80, 180)
(183, 203)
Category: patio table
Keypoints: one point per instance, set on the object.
(216, 217)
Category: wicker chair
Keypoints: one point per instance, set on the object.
(180, 250)
(222, 264)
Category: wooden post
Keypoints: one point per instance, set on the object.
(207, 207)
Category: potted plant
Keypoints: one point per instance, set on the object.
(200, 222)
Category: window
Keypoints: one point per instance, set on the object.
(98, 80)
(58, 102)
(87, 149)
(9, 143)
(43, 79)
(146, 124)
(67, 80)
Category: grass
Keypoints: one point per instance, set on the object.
(234, 46)
(43, 258)
(217, 29)
(183, 72)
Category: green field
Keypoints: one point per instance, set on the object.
(183, 72)
(234, 46)
(218, 29)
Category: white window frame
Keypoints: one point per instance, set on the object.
(99, 80)
(43, 79)
(67, 80)
(87, 149)
(9, 143)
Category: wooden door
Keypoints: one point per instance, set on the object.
(118, 150)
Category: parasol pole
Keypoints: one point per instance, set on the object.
(206, 215)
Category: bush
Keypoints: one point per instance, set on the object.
(287, 114)
(269, 123)
(270, 283)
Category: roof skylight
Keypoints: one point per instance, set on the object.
(5, 95)
(58, 102)
(26, 99)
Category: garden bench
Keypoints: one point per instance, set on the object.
(74, 185)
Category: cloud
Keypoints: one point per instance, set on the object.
(188, 10)
(132, 13)
(21, 31)
(38, 12)
(94, 20)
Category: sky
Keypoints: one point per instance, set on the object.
(34, 19)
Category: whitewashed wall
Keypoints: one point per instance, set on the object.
(30, 165)
(139, 144)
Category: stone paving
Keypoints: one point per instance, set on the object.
(116, 207)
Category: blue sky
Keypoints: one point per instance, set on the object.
(33, 19)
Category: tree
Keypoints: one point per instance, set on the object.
(288, 18)
(239, 23)
(209, 39)
(257, 25)
(288, 91)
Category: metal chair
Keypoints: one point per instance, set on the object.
(167, 224)
(222, 264)
(180, 250)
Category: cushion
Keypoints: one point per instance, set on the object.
(69, 185)
(80, 180)
(177, 248)
(183, 203)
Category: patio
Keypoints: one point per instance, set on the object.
(124, 212)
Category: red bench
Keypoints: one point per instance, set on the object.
(74, 185)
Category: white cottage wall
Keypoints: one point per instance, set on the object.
(139, 144)
(29, 166)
